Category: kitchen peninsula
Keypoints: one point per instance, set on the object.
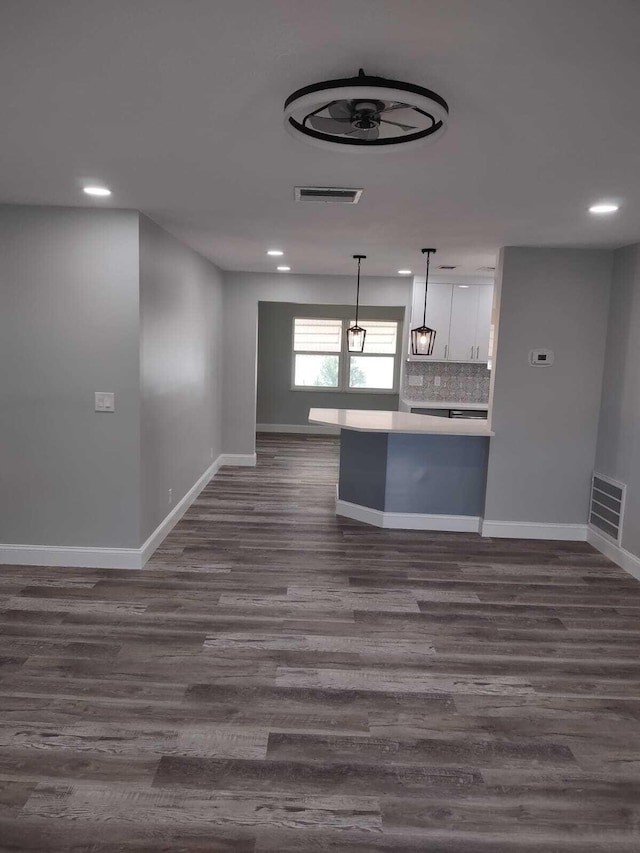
(409, 471)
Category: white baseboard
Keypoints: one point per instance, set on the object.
(305, 429)
(534, 530)
(244, 459)
(407, 520)
(625, 559)
(117, 558)
(169, 522)
(60, 555)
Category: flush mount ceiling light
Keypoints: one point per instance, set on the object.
(275, 253)
(404, 272)
(356, 334)
(423, 338)
(99, 191)
(283, 269)
(365, 112)
(604, 207)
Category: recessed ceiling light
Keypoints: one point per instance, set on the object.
(404, 272)
(283, 269)
(604, 207)
(275, 253)
(97, 190)
(465, 286)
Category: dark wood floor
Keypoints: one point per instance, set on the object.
(278, 680)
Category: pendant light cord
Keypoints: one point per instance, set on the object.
(359, 258)
(358, 292)
(428, 253)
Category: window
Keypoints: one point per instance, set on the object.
(314, 345)
(321, 359)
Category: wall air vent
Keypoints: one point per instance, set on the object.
(447, 267)
(607, 506)
(328, 195)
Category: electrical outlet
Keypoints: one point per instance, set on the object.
(170, 496)
(415, 381)
(437, 381)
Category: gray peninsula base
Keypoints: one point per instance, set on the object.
(414, 473)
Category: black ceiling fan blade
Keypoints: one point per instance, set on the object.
(330, 125)
(368, 133)
(397, 124)
(340, 110)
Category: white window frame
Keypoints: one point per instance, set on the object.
(344, 360)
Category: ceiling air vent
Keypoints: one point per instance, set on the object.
(447, 267)
(340, 195)
(607, 506)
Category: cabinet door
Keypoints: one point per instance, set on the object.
(438, 317)
(464, 311)
(483, 323)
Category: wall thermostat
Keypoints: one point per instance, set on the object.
(541, 357)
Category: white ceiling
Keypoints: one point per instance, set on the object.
(177, 106)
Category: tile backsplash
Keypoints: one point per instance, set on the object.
(459, 383)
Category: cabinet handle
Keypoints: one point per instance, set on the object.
(473, 349)
(446, 350)
(477, 352)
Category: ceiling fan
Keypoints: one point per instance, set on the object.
(365, 111)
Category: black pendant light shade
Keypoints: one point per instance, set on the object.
(356, 334)
(423, 338)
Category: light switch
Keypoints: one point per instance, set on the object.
(105, 401)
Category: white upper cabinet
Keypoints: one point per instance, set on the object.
(438, 317)
(461, 316)
(483, 323)
(462, 332)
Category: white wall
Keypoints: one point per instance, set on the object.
(180, 370)
(242, 292)
(618, 453)
(68, 328)
(545, 419)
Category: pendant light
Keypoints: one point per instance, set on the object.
(356, 334)
(423, 338)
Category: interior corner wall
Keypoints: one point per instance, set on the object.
(546, 418)
(242, 293)
(180, 370)
(68, 327)
(618, 454)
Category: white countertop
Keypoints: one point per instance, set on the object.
(367, 420)
(439, 404)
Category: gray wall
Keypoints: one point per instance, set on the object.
(68, 327)
(180, 369)
(242, 292)
(545, 419)
(618, 453)
(277, 402)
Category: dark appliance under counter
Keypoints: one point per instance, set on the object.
(466, 414)
(469, 414)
